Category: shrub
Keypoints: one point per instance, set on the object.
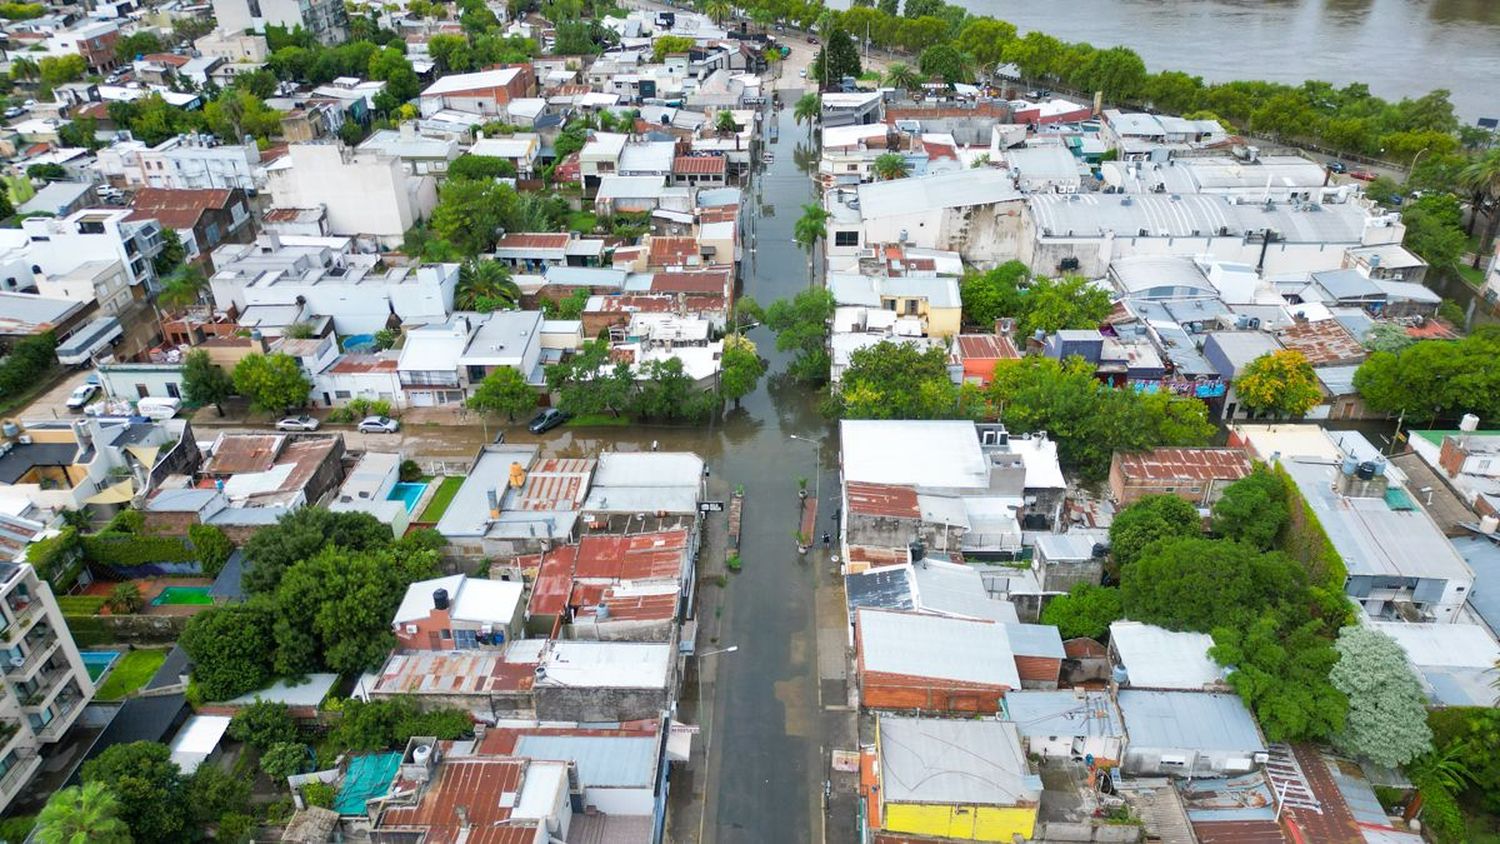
(115, 549)
(283, 759)
(212, 545)
(318, 794)
(125, 599)
(89, 630)
(27, 362)
(358, 409)
(57, 559)
(126, 521)
(263, 724)
(734, 562)
(410, 471)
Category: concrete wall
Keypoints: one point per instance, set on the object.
(555, 703)
(1147, 761)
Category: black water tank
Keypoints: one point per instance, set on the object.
(440, 599)
(918, 551)
(1366, 470)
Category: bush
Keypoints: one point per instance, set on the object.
(213, 547)
(283, 759)
(234, 828)
(58, 559)
(410, 471)
(318, 794)
(27, 362)
(125, 599)
(358, 409)
(1442, 816)
(263, 724)
(116, 549)
(126, 521)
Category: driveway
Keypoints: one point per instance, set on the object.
(53, 404)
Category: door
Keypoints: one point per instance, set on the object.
(141, 391)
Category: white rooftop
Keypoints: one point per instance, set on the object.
(1157, 658)
(469, 599)
(941, 453)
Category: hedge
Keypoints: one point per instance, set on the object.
(1305, 540)
(81, 604)
(57, 559)
(28, 360)
(89, 630)
(212, 547)
(123, 549)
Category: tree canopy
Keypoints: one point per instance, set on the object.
(1193, 583)
(205, 382)
(1280, 382)
(1435, 378)
(1043, 304)
(1087, 610)
(88, 814)
(1252, 510)
(230, 648)
(1148, 520)
(302, 533)
(902, 381)
(503, 391)
(1387, 720)
(837, 58)
(273, 382)
(150, 788)
(801, 326)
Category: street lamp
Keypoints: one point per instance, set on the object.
(817, 469)
(729, 650)
(1413, 167)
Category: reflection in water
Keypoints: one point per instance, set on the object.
(1403, 48)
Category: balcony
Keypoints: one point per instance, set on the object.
(27, 762)
(21, 623)
(68, 708)
(43, 646)
(47, 683)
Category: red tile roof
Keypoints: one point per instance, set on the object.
(868, 499)
(177, 209)
(1197, 464)
(534, 241)
(986, 347)
(699, 165)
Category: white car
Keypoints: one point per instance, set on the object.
(297, 423)
(82, 396)
(14, 111)
(378, 425)
(802, 73)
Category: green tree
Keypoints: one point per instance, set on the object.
(1482, 178)
(470, 214)
(995, 293)
(302, 533)
(137, 44)
(807, 110)
(88, 814)
(1191, 583)
(740, 368)
(665, 391)
(898, 381)
(1387, 337)
(666, 45)
(1281, 663)
(214, 793)
(837, 58)
(1434, 230)
(401, 83)
(262, 724)
(231, 648)
(1052, 305)
(1431, 379)
(212, 547)
(568, 307)
(812, 226)
(903, 76)
(148, 785)
(1252, 510)
(205, 382)
(801, 326)
(481, 167)
(236, 113)
(182, 287)
(283, 760)
(948, 62)
(1387, 720)
(485, 282)
(56, 70)
(889, 165)
(1087, 610)
(1117, 72)
(724, 123)
(591, 381)
(985, 39)
(273, 382)
(1281, 382)
(1150, 519)
(503, 391)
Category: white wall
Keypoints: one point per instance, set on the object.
(364, 193)
(621, 801)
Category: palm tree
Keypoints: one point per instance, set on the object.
(82, 815)
(183, 288)
(890, 165)
(1482, 177)
(904, 76)
(485, 283)
(812, 226)
(25, 68)
(717, 9)
(807, 110)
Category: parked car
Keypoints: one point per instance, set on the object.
(1362, 175)
(14, 111)
(378, 425)
(802, 73)
(82, 396)
(547, 420)
(298, 423)
(811, 39)
(1338, 167)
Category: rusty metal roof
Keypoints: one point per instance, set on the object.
(1195, 464)
(1322, 342)
(642, 556)
(869, 499)
(986, 346)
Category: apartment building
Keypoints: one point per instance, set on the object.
(326, 20)
(57, 247)
(365, 193)
(46, 683)
(184, 161)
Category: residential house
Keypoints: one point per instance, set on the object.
(913, 784)
(371, 486)
(703, 171)
(979, 354)
(1455, 661)
(486, 92)
(1151, 657)
(612, 587)
(137, 380)
(1070, 724)
(1061, 561)
(364, 193)
(58, 465)
(1196, 475)
(202, 218)
(265, 476)
(535, 252)
(185, 162)
(104, 282)
(508, 339)
(922, 306)
(912, 661)
(325, 20)
(521, 149)
(513, 502)
(94, 40)
(59, 246)
(516, 801)
(1467, 459)
(429, 366)
(420, 154)
(973, 212)
(233, 46)
(373, 377)
(458, 613)
(1189, 734)
(630, 492)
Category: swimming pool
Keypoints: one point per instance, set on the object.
(98, 662)
(182, 595)
(410, 494)
(359, 343)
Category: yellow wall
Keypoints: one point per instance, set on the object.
(968, 823)
(943, 322)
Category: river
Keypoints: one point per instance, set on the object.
(1400, 48)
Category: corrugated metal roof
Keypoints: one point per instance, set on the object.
(603, 761)
(943, 761)
(1189, 721)
(887, 587)
(1064, 713)
(1041, 640)
(955, 589)
(935, 647)
(1157, 658)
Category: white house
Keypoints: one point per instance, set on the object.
(364, 193)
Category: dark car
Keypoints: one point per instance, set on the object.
(812, 39)
(547, 420)
(1337, 167)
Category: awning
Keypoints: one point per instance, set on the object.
(120, 493)
(144, 453)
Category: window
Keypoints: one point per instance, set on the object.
(846, 238)
(173, 391)
(465, 639)
(141, 391)
(341, 394)
(447, 634)
(1173, 761)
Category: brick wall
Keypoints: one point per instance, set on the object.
(898, 691)
(1451, 457)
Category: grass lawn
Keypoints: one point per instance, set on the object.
(131, 671)
(1474, 277)
(80, 604)
(441, 499)
(598, 420)
(582, 221)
